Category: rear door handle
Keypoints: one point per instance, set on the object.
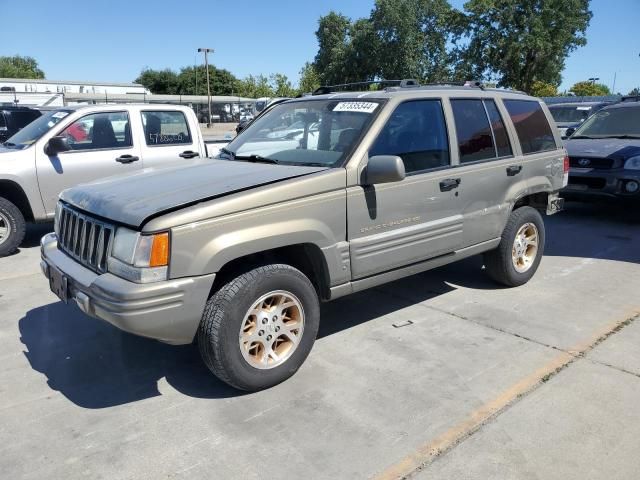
(127, 159)
(449, 184)
(189, 154)
(513, 170)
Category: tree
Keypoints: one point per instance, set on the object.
(412, 38)
(309, 79)
(255, 87)
(159, 81)
(519, 42)
(543, 89)
(589, 89)
(329, 62)
(281, 85)
(19, 67)
(222, 81)
(635, 92)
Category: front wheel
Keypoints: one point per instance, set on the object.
(258, 328)
(518, 255)
(12, 227)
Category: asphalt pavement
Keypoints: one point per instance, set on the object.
(443, 375)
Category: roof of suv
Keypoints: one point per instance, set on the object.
(418, 92)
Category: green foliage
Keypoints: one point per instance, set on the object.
(543, 89)
(159, 81)
(19, 67)
(589, 89)
(400, 39)
(519, 42)
(255, 87)
(309, 79)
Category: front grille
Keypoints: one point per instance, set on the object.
(84, 238)
(584, 162)
(590, 182)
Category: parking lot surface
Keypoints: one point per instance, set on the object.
(440, 375)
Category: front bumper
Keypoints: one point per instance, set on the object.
(169, 311)
(602, 182)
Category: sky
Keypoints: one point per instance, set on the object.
(114, 40)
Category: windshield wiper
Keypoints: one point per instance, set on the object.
(227, 152)
(255, 159)
(626, 135)
(573, 137)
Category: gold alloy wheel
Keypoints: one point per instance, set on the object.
(5, 228)
(272, 329)
(525, 247)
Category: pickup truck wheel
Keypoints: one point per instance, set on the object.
(12, 227)
(517, 257)
(257, 329)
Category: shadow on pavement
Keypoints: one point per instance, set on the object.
(605, 230)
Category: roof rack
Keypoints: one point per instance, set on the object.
(406, 83)
(394, 85)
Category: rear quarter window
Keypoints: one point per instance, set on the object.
(531, 124)
(165, 128)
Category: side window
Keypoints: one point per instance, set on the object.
(503, 147)
(534, 131)
(165, 128)
(475, 139)
(417, 133)
(99, 131)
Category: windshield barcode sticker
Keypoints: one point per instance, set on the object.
(363, 107)
(60, 114)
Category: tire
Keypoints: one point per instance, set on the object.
(500, 263)
(12, 227)
(227, 315)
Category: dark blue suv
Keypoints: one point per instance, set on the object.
(604, 154)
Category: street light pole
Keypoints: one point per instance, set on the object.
(206, 66)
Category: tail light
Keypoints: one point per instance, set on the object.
(565, 177)
(566, 164)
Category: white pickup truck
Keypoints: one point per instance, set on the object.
(79, 144)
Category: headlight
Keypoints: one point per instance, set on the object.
(632, 163)
(139, 257)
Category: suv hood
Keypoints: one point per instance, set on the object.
(135, 198)
(618, 148)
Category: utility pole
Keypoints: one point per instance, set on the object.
(206, 51)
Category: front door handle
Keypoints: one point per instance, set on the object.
(513, 170)
(449, 184)
(189, 154)
(127, 159)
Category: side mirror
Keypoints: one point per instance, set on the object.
(384, 169)
(569, 131)
(55, 145)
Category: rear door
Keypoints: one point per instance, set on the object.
(395, 224)
(101, 146)
(167, 138)
(487, 167)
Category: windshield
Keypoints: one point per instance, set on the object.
(312, 132)
(570, 114)
(612, 122)
(36, 129)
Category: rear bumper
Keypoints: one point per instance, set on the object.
(168, 311)
(607, 183)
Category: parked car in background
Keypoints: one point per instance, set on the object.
(72, 145)
(571, 115)
(604, 154)
(12, 119)
(239, 251)
(245, 123)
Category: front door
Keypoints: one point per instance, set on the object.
(396, 224)
(101, 146)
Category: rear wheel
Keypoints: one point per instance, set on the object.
(12, 227)
(257, 329)
(518, 255)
